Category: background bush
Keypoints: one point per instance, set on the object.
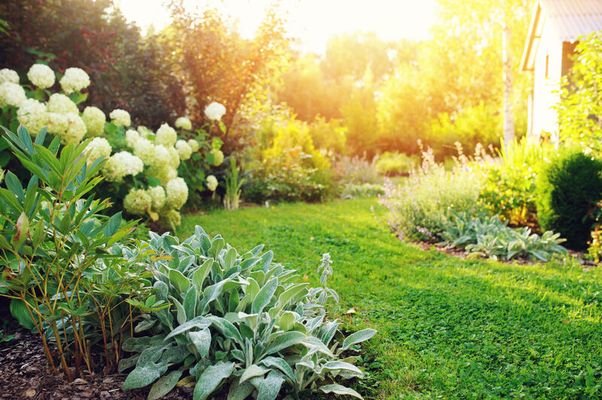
(568, 188)
(396, 164)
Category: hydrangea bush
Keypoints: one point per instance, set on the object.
(143, 169)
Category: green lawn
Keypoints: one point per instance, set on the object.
(448, 328)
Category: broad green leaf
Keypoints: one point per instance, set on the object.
(268, 388)
(164, 385)
(280, 364)
(341, 390)
(264, 297)
(143, 376)
(179, 280)
(240, 392)
(198, 322)
(211, 378)
(343, 366)
(252, 372)
(201, 341)
(358, 337)
(200, 274)
(281, 341)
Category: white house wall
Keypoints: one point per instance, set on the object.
(546, 89)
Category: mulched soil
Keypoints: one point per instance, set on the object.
(24, 374)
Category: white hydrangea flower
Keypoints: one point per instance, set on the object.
(33, 116)
(11, 94)
(218, 157)
(173, 218)
(164, 173)
(137, 202)
(59, 103)
(184, 123)
(177, 193)
(166, 135)
(145, 150)
(57, 123)
(184, 150)
(161, 156)
(174, 157)
(94, 119)
(145, 132)
(8, 75)
(194, 145)
(157, 194)
(122, 164)
(41, 76)
(121, 117)
(70, 128)
(131, 138)
(74, 80)
(211, 183)
(215, 111)
(97, 148)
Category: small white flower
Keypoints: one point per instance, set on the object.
(177, 193)
(121, 117)
(94, 119)
(33, 116)
(131, 138)
(74, 80)
(184, 123)
(97, 148)
(8, 75)
(137, 202)
(194, 145)
(157, 194)
(218, 157)
(215, 111)
(122, 164)
(69, 127)
(59, 103)
(211, 183)
(184, 150)
(41, 76)
(11, 94)
(166, 135)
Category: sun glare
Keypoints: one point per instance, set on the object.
(312, 22)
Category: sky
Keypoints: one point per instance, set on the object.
(313, 22)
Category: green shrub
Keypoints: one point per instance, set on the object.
(568, 188)
(396, 164)
(61, 260)
(492, 238)
(509, 186)
(356, 171)
(289, 168)
(354, 191)
(236, 324)
(580, 108)
(421, 206)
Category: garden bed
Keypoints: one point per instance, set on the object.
(24, 374)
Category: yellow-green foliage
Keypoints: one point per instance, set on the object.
(509, 187)
(394, 164)
(329, 135)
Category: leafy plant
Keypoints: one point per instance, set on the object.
(492, 238)
(235, 323)
(568, 189)
(421, 206)
(353, 191)
(60, 257)
(395, 164)
(233, 186)
(509, 186)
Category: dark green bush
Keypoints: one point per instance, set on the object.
(568, 189)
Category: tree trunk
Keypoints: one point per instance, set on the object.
(507, 78)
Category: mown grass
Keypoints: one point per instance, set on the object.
(448, 327)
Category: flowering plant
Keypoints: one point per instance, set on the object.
(142, 168)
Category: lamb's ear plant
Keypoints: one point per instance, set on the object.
(234, 184)
(236, 325)
(60, 261)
